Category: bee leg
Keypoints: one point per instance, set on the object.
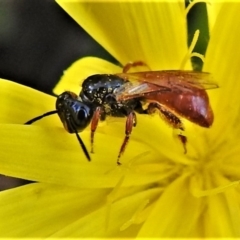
(131, 122)
(94, 124)
(171, 119)
(129, 65)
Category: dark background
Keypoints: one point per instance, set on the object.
(38, 40)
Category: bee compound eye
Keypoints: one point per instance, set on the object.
(82, 114)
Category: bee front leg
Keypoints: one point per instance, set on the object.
(94, 124)
(131, 122)
(171, 119)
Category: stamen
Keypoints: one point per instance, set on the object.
(112, 196)
(125, 168)
(137, 217)
(195, 54)
(110, 199)
(202, 193)
(191, 47)
(193, 3)
(142, 212)
(196, 192)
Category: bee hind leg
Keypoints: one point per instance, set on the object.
(171, 119)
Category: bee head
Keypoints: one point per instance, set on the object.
(74, 114)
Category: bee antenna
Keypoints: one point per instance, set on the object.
(82, 145)
(40, 117)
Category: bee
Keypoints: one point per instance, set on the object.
(175, 94)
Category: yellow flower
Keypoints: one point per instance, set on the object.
(158, 191)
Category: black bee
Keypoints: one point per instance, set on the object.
(173, 93)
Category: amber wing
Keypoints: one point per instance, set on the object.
(141, 83)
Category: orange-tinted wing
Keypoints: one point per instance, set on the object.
(141, 83)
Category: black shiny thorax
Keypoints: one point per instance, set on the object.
(96, 87)
(99, 89)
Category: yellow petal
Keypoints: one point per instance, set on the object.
(222, 60)
(52, 155)
(118, 216)
(223, 212)
(20, 104)
(176, 212)
(151, 31)
(39, 210)
(213, 9)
